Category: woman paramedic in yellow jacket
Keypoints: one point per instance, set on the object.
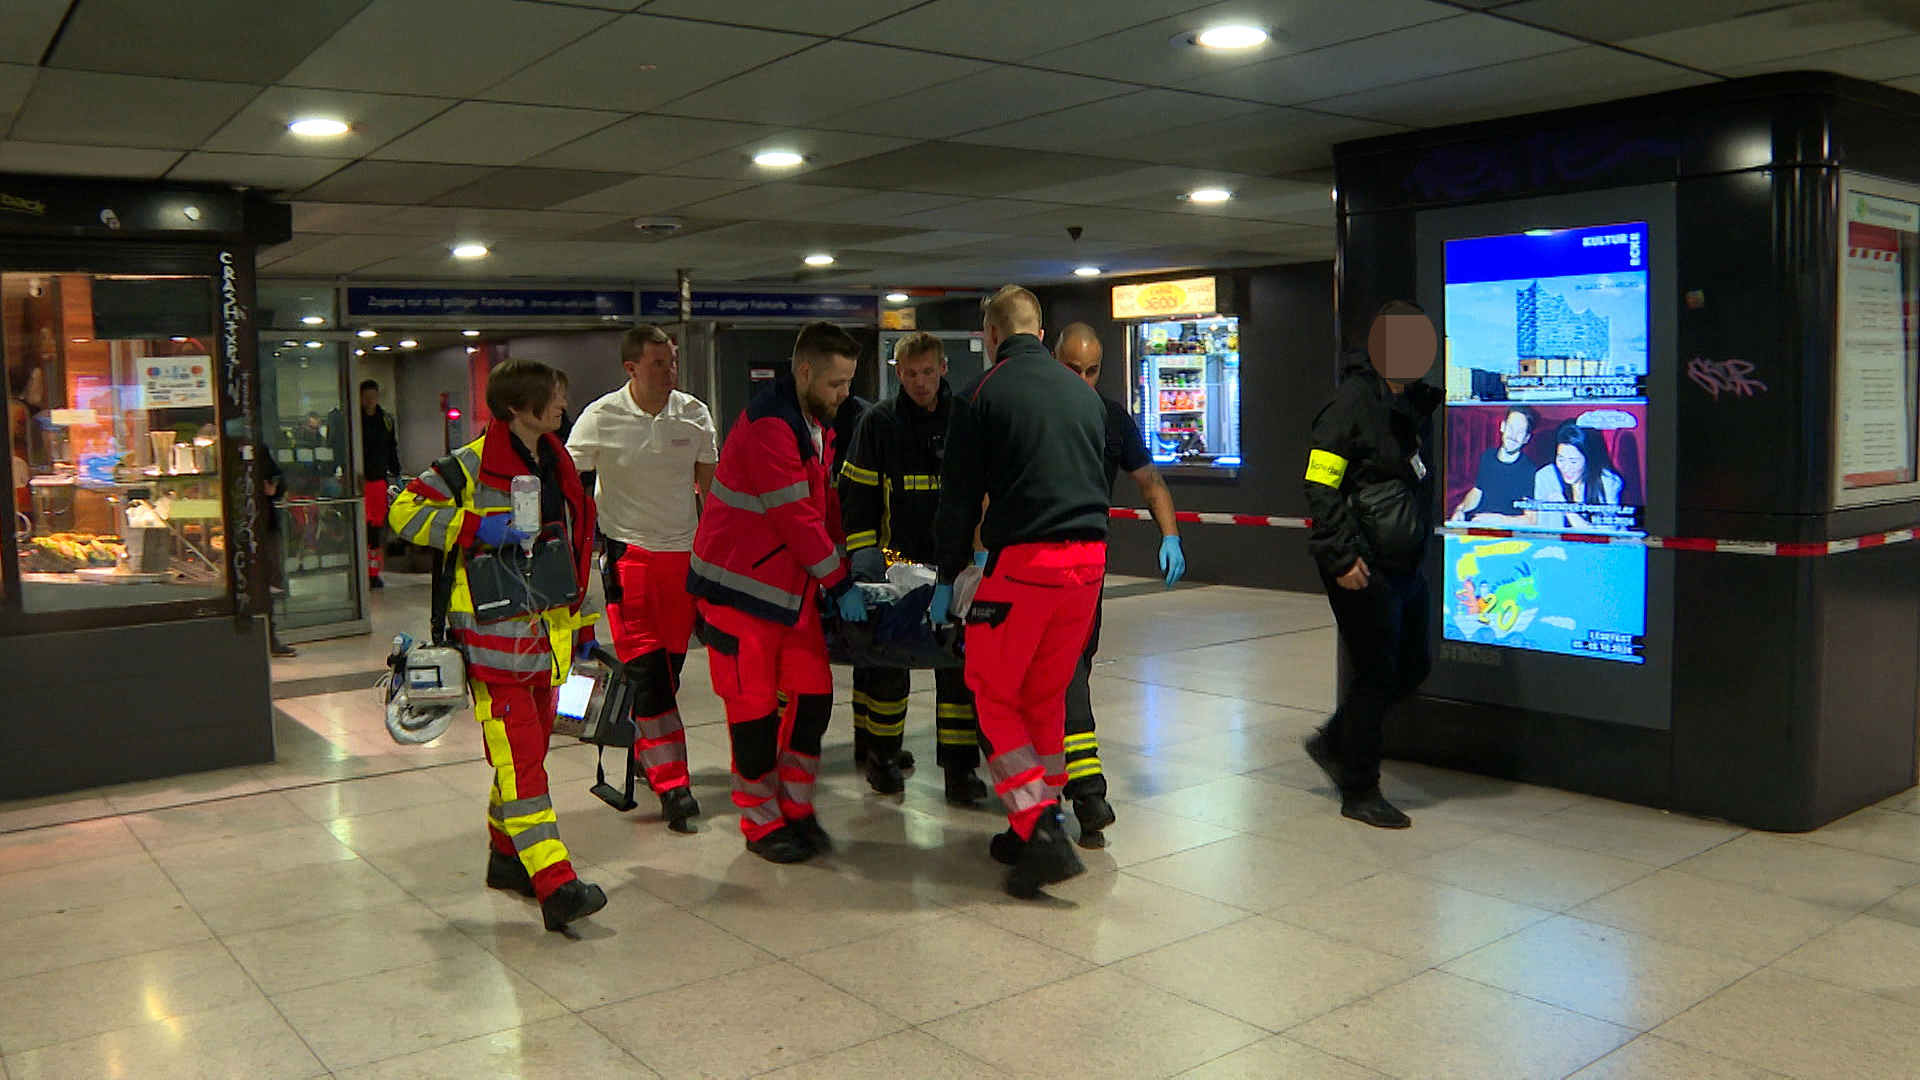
(463, 506)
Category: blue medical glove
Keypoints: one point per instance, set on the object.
(497, 531)
(868, 564)
(937, 607)
(853, 605)
(980, 559)
(1173, 561)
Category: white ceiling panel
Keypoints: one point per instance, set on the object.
(822, 149)
(640, 61)
(98, 109)
(1435, 48)
(1162, 183)
(528, 188)
(1271, 141)
(824, 17)
(829, 78)
(392, 182)
(1140, 117)
(1771, 35)
(28, 29)
(221, 40)
(1575, 77)
(1617, 21)
(452, 48)
(931, 240)
(493, 133)
(973, 215)
(1893, 58)
(653, 194)
(116, 161)
(323, 217)
(651, 144)
(346, 254)
(443, 222)
(1909, 83)
(877, 206)
(261, 127)
(255, 170)
(15, 81)
(770, 200)
(1145, 55)
(985, 99)
(981, 28)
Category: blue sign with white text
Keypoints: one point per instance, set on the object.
(739, 305)
(490, 303)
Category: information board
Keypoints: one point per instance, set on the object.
(1875, 354)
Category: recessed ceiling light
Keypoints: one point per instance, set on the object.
(778, 159)
(1209, 195)
(469, 251)
(1086, 271)
(313, 345)
(313, 320)
(368, 333)
(359, 352)
(819, 259)
(1539, 232)
(383, 348)
(319, 127)
(469, 333)
(177, 340)
(897, 298)
(1230, 37)
(1334, 194)
(289, 342)
(471, 349)
(408, 343)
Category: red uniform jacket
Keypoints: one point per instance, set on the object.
(771, 528)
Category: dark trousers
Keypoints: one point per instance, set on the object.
(1084, 776)
(880, 714)
(1384, 628)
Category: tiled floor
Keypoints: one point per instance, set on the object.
(324, 915)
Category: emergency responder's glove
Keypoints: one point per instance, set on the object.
(980, 559)
(1173, 560)
(868, 564)
(853, 605)
(937, 608)
(497, 531)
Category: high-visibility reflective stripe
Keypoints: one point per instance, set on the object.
(1083, 767)
(1085, 740)
(825, 566)
(920, 482)
(524, 807)
(741, 583)
(1013, 763)
(866, 539)
(859, 475)
(887, 708)
(664, 726)
(1324, 467)
(509, 661)
(953, 712)
(782, 496)
(760, 504)
(796, 777)
(764, 811)
(1054, 765)
(884, 730)
(528, 837)
(951, 737)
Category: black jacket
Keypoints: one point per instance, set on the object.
(1031, 436)
(1364, 435)
(889, 476)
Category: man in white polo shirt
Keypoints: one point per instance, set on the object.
(652, 450)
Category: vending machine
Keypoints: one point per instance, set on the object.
(1184, 358)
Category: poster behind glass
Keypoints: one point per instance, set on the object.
(1877, 348)
(1546, 375)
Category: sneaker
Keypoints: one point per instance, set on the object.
(281, 649)
(570, 902)
(508, 874)
(782, 845)
(965, 789)
(374, 582)
(809, 829)
(1322, 755)
(884, 775)
(679, 807)
(1045, 859)
(1095, 813)
(1005, 847)
(1372, 808)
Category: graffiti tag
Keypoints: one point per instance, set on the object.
(1733, 377)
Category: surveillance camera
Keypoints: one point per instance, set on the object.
(657, 226)
(1074, 231)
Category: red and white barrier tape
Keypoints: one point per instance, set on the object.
(1671, 543)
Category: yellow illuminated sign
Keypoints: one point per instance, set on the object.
(1156, 299)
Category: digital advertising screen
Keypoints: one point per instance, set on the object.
(1547, 436)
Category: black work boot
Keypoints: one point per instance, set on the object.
(905, 758)
(783, 845)
(508, 874)
(574, 900)
(1370, 807)
(1322, 755)
(883, 773)
(1095, 813)
(1005, 847)
(679, 808)
(1045, 859)
(965, 789)
(809, 829)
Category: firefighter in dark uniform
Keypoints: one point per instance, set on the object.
(889, 490)
(1368, 491)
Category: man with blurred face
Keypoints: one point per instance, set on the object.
(889, 484)
(648, 452)
(1079, 349)
(765, 557)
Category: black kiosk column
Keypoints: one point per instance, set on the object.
(1678, 457)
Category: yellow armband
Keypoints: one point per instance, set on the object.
(1326, 468)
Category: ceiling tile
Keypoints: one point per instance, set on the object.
(255, 170)
(528, 188)
(441, 222)
(652, 194)
(491, 133)
(1161, 183)
(1620, 20)
(1910, 83)
(961, 169)
(392, 182)
(1770, 35)
(126, 110)
(29, 28)
(1269, 142)
(826, 79)
(1135, 117)
(770, 200)
(827, 17)
(223, 40)
(876, 206)
(650, 144)
(1145, 54)
(1892, 58)
(1576, 77)
(640, 61)
(621, 230)
(822, 149)
(1435, 48)
(930, 240)
(973, 215)
(345, 254)
(979, 27)
(453, 48)
(995, 96)
(15, 81)
(29, 157)
(323, 217)
(261, 127)
(802, 237)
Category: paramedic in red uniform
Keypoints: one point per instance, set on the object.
(649, 449)
(1029, 438)
(767, 549)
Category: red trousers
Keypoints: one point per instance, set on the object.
(376, 505)
(651, 615)
(778, 692)
(1028, 625)
(516, 721)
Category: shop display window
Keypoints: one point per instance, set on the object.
(114, 439)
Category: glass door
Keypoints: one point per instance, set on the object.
(318, 592)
